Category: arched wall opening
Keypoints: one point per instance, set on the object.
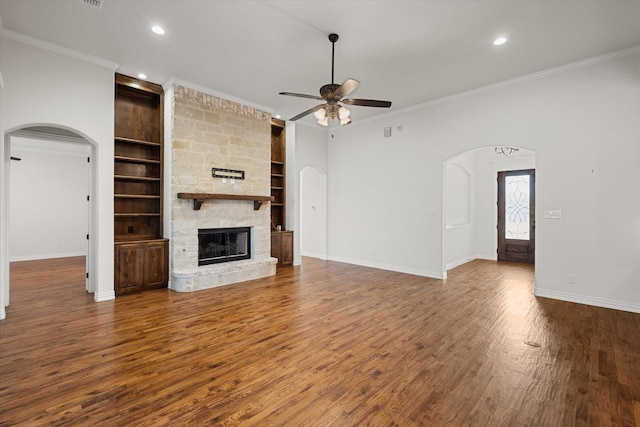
(43, 140)
(313, 213)
(470, 197)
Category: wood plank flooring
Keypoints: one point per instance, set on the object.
(324, 344)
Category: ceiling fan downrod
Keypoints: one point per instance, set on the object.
(333, 38)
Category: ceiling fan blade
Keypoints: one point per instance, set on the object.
(367, 102)
(309, 111)
(302, 95)
(346, 88)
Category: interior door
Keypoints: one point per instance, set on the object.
(516, 216)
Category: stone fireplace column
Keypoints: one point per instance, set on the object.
(210, 132)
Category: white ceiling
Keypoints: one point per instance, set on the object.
(407, 52)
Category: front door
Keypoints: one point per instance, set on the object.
(516, 216)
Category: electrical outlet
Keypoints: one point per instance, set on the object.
(572, 279)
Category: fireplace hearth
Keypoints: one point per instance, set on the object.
(217, 245)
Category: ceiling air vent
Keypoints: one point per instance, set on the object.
(93, 3)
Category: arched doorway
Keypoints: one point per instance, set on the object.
(38, 140)
(313, 213)
(470, 201)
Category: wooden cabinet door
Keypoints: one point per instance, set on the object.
(282, 247)
(140, 266)
(156, 268)
(286, 248)
(275, 245)
(129, 268)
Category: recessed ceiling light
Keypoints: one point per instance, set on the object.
(142, 76)
(499, 41)
(278, 116)
(157, 29)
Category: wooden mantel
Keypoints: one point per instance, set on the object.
(199, 198)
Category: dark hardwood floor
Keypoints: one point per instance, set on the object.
(324, 344)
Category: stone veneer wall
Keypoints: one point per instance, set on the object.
(208, 132)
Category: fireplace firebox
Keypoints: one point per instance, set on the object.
(216, 245)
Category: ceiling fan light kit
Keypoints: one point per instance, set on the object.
(333, 94)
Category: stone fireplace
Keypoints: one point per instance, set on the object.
(210, 132)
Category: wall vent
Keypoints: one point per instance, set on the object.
(93, 3)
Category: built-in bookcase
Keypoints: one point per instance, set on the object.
(141, 252)
(138, 160)
(278, 181)
(281, 238)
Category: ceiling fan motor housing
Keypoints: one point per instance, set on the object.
(327, 91)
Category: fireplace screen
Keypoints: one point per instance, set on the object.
(223, 245)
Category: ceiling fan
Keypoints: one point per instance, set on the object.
(333, 94)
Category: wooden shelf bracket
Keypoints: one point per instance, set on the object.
(199, 198)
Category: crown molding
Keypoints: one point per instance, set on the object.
(610, 56)
(51, 47)
(174, 81)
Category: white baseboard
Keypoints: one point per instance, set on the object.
(391, 267)
(104, 296)
(453, 264)
(47, 256)
(3, 313)
(493, 257)
(314, 255)
(588, 300)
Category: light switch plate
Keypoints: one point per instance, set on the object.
(553, 214)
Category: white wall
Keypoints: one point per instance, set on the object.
(459, 216)
(385, 196)
(50, 173)
(42, 87)
(583, 124)
(313, 213)
(310, 155)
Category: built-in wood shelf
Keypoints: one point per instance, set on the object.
(135, 196)
(136, 160)
(137, 141)
(136, 214)
(136, 178)
(199, 198)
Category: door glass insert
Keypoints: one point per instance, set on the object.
(517, 207)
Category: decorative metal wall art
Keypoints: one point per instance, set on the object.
(227, 173)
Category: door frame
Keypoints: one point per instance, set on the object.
(502, 240)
